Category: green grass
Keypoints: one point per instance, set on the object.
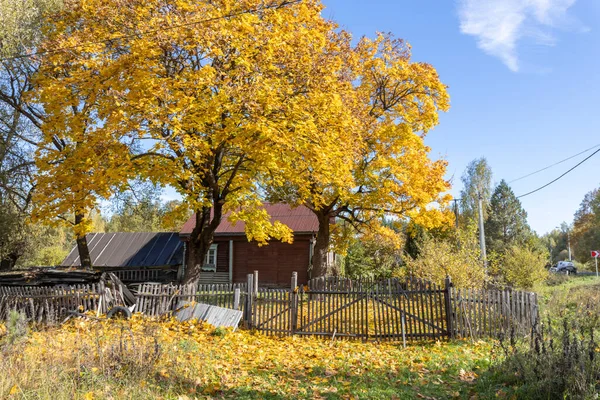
(568, 296)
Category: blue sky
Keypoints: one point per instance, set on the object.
(524, 81)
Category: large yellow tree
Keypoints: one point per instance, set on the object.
(393, 103)
(220, 99)
(210, 97)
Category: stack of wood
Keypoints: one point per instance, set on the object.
(116, 292)
(48, 277)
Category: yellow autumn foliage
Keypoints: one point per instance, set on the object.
(224, 101)
(456, 256)
(145, 358)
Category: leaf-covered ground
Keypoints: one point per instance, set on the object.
(147, 359)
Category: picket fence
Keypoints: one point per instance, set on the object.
(156, 300)
(382, 310)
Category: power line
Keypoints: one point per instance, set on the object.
(556, 163)
(150, 31)
(551, 182)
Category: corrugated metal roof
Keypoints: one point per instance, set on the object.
(131, 249)
(299, 219)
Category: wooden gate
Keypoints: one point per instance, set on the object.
(272, 311)
(332, 307)
(408, 309)
(391, 309)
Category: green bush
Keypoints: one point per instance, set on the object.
(520, 267)
(457, 257)
(556, 279)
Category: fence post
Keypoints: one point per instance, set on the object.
(448, 306)
(236, 298)
(249, 296)
(534, 310)
(255, 285)
(294, 303)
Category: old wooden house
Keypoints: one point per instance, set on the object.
(160, 256)
(232, 256)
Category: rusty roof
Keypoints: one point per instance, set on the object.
(131, 249)
(299, 219)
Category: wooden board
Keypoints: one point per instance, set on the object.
(216, 316)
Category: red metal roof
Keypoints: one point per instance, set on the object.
(299, 219)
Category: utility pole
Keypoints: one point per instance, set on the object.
(456, 213)
(569, 244)
(482, 233)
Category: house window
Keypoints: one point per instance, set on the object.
(210, 263)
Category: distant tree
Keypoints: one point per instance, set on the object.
(47, 246)
(140, 209)
(147, 215)
(586, 226)
(477, 180)
(415, 234)
(556, 242)
(506, 224)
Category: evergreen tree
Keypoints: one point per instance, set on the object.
(506, 224)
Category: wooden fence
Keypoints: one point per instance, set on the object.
(391, 309)
(481, 313)
(53, 304)
(50, 304)
(156, 299)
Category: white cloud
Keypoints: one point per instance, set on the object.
(498, 25)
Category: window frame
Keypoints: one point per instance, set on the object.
(211, 267)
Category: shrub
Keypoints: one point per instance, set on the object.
(16, 326)
(457, 257)
(521, 267)
(556, 279)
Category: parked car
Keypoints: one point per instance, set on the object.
(564, 266)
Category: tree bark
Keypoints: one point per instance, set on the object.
(200, 240)
(8, 262)
(85, 259)
(320, 265)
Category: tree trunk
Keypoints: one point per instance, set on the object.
(320, 265)
(82, 246)
(200, 241)
(8, 262)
